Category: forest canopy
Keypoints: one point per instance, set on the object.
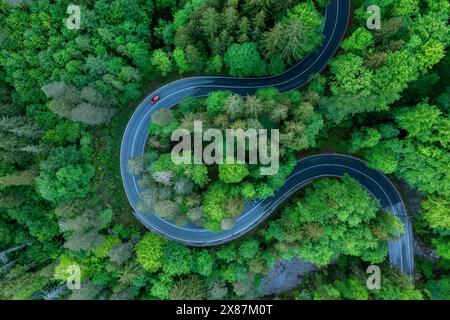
(67, 95)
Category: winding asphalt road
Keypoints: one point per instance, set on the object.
(133, 144)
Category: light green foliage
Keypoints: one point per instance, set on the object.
(62, 271)
(364, 84)
(422, 121)
(227, 254)
(436, 211)
(204, 262)
(161, 62)
(442, 245)
(199, 175)
(424, 149)
(360, 40)
(366, 138)
(232, 172)
(215, 102)
(406, 8)
(150, 251)
(263, 191)
(215, 202)
(248, 191)
(181, 61)
(351, 77)
(106, 245)
(161, 287)
(439, 289)
(385, 156)
(234, 272)
(165, 163)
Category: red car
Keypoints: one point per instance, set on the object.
(154, 99)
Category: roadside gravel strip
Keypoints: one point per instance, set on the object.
(329, 165)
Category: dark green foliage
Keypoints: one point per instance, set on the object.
(177, 259)
(244, 37)
(399, 54)
(61, 203)
(439, 289)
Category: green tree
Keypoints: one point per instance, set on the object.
(233, 172)
(297, 34)
(65, 175)
(436, 211)
(243, 60)
(21, 178)
(439, 289)
(359, 41)
(203, 262)
(191, 288)
(91, 115)
(162, 287)
(214, 200)
(161, 62)
(309, 224)
(180, 59)
(177, 259)
(442, 245)
(150, 252)
(215, 102)
(365, 138)
(199, 175)
(249, 249)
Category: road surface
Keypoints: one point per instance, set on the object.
(337, 17)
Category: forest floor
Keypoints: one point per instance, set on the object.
(286, 275)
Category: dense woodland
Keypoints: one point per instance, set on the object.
(213, 196)
(66, 96)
